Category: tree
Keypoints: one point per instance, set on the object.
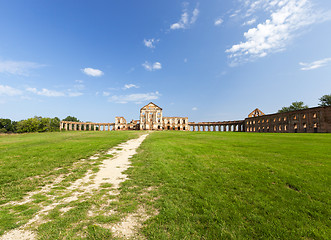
(71, 119)
(6, 125)
(293, 107)
(325, 101)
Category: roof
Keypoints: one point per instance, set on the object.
(149, 104)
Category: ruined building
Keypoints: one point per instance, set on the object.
(311, 120)
(151, 118)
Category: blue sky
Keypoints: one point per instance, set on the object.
(207, 60)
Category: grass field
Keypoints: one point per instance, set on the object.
(235, 185)
(29, 161)
(203, 185)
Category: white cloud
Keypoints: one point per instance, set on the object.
(9, 91)
(74, 94)
(128, 86)
(105, 94)
(150, 43)
(46, 92)
(218, 21)
(92, 72)
(286, 17)
(152, 66)
(194, 108)
(315, 64)
(136, 98)
(186, 20)
(18, 67)
(79, 81)
(52, 93)
(250, 22)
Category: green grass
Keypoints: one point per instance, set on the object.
(29, 161)
(204, 185)
(233, 185)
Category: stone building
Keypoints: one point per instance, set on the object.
(311, 120)
(151, 118)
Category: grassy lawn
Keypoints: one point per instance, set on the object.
(194, 185)
(29, 161)
(211, 185)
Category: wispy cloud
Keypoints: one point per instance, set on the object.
(286, 18)
(218, 21)
(74, 94)
(315, 64)
(150, 43)
(105, 94)
(250, 22)
(45, 92)
(92, 72)
(152, 66)
(128, 86)
(135, 98)
(18, 67)
(194, 108)
(9, 91)
(53, 93)
(186, 19)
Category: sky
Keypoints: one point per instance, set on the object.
(209, 60)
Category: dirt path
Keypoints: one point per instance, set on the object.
(111, 171)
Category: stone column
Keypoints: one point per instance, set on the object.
(79, 127)
(224, 128)
(214, 128)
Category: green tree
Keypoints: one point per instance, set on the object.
(71, 119)
(5, 125)
(325, 100)
(28, 125)
(293, 107)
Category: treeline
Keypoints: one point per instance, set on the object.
(35, 124)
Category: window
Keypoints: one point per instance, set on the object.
(280, 128)
(284, 118)
(295, 126)
(263, 121)
(258, 121)
(247, 122)
(267, 120)
(178, 121)
(295, 117)
(314, 115)
(254, 129)
(279, 119)
(184, 122)
(285, 128)
(304, 125)
(253, 122)
(304, 116)
(184, 128)
(178, 128)
(168, 127)
(275, 129)
(274, 119)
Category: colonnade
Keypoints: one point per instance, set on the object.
(84, 126)
(219, 127)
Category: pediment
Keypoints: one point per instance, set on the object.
(151, 106)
